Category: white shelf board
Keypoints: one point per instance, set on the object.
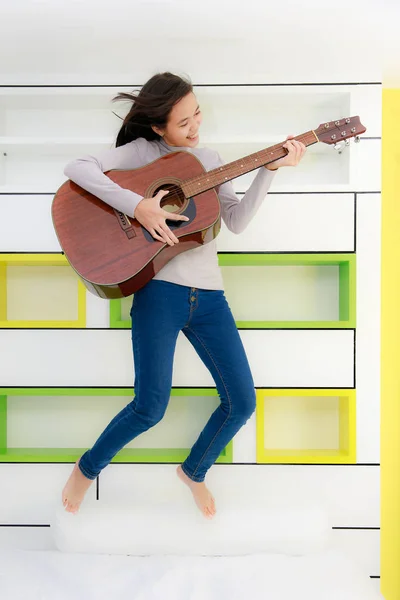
(53, 141)
(292, 109)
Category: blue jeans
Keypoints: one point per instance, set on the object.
(160, 310)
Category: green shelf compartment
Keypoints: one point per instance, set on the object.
(72, 454)
(344, 289)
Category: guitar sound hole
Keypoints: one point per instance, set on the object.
(174, 201)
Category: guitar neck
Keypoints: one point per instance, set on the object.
(211, 179)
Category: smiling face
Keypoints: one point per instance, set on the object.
(183, 123)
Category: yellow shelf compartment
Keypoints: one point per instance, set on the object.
(40, 290)
(306, 426)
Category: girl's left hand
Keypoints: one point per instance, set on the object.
(296, 151)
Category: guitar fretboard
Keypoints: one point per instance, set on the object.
(214, 178)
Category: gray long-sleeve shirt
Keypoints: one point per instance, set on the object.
(194, 268)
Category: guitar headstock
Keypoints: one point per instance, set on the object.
(337, 131)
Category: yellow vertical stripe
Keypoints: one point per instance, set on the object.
(390, 355)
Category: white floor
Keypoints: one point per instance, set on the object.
(52, 575)
(32, 568)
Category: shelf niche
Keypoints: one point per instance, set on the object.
(306, 426)
(53, 425)
(40, 290)
(289, 291)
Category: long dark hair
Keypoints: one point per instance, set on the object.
(151, 106)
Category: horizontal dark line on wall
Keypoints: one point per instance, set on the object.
(175, 387)
(269, 252)
(258, 387)
(87, 387)
(46, 525)
(127, 328)
(299, 464)
(27, 193)
(372, 192)
(321, 193)
(133, 85)
(358, 528)
(34, 252)
(269, 193)
(287, 84)
(236, 464)
(278, 252)
(375, 576)
(23, 525)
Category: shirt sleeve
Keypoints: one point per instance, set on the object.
(237, 213)
(88, 172)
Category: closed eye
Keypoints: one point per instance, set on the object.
(197, 113)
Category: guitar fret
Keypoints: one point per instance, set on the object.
(239, 167)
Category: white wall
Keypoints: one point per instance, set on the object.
(269, 50)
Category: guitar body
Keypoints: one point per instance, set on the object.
(113, 254)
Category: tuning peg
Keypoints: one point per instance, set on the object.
(357, 139)
(347, 142)
(339, 146)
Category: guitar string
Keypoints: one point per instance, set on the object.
(300, 137)
(177, 189)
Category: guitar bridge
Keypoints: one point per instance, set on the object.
(125, 224)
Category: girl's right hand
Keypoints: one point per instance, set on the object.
(150, 214)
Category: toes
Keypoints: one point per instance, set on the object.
(212, 506)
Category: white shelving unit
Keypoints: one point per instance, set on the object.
(43, 129)
(311, 208)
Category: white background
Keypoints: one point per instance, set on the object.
(74, 43)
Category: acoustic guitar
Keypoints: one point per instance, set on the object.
(114, 255)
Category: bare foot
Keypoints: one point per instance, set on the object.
(201, 494)
(75, 490)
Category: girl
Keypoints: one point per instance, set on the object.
(185, 295)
